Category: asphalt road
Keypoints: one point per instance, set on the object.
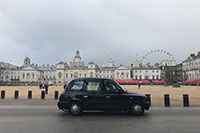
(48, 119)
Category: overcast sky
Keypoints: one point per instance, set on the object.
(49, 31)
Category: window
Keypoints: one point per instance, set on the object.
(91, 74)
(75, 74)
(60, 75)
(117, 74)
(127, 75)
(94, 86)
(28, 75)
(122, 75)
(111, 87)
(76, 86)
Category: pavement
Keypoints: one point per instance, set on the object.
(48, 119)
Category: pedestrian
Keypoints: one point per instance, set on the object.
(43, 86)
(139, 84)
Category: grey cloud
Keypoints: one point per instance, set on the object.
(51, 31)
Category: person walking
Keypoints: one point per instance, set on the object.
(139, 84)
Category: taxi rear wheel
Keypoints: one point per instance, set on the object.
(75, 108)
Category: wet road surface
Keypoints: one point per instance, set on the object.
(48, 119)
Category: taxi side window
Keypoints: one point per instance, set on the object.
(76, 86)
(93, 86)
(111, 87)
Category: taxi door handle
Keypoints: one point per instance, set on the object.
(85, 96)
(108, 96)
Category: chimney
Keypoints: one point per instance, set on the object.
(192, 55)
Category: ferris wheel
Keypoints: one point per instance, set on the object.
(158, 55)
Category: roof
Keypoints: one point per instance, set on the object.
(91, 63)
(121, 81)
(133, 81)
(145, 81)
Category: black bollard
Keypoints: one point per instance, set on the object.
(29, 94)
(56, 95)
(16, 95)
(149, 98)
(186, 100)
(40, 85)
(46, 89)
(42, 94)
(3, 94)
(167, 100)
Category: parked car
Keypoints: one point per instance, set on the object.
(100, 94)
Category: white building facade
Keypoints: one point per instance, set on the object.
(191, 67)
(149, 73)
(62, 73)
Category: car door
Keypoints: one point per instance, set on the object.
(92, 97)
(115, 99)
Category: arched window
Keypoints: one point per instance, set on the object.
(122, 75)
(59, 75)
(28, 75)
(75, 74)
(23, 75)
(33, 75)
(117, 74)
(127, 74)
(91, 74)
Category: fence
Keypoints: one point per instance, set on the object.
(29, 95)
(56, 95)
